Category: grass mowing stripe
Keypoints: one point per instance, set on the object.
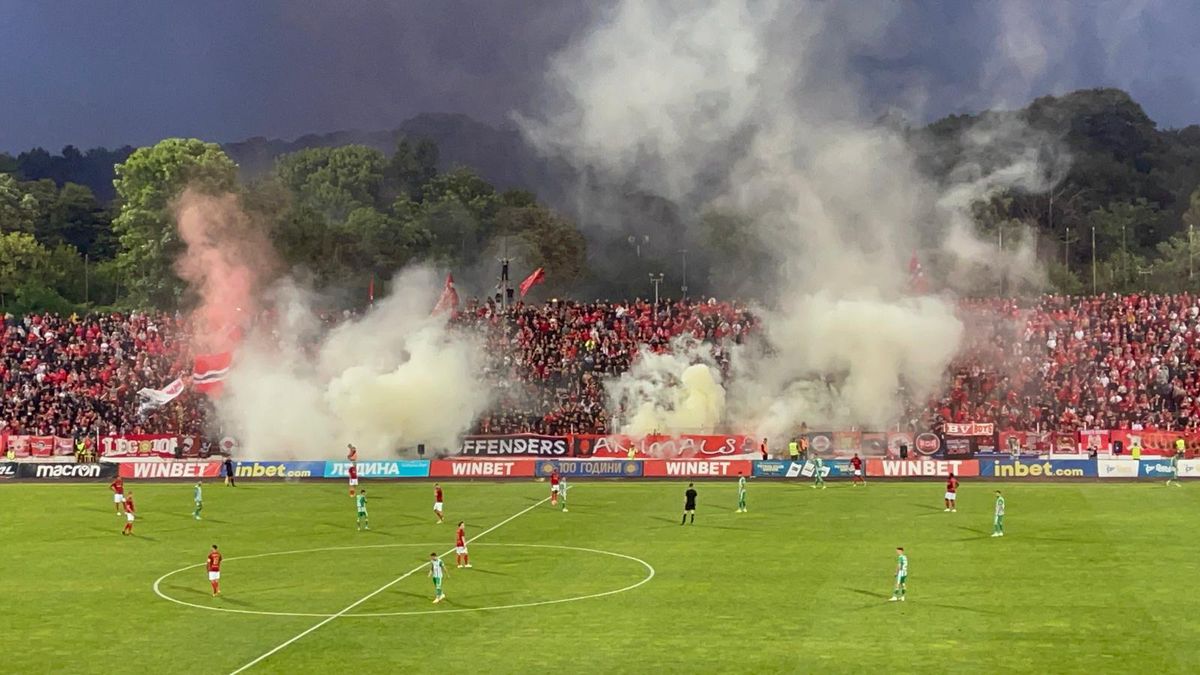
(379, 590)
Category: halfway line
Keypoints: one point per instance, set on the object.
(381, 589)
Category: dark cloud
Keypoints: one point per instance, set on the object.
(112, 72)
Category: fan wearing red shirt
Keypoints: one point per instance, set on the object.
(856, 465)
(118, 489)
(214, 570)
(437, 503)
(353, 477)
(951, 493)
(460, 547)
(554, 487)
(128, 513)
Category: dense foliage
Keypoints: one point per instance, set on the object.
(93, 228)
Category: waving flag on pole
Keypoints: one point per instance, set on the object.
(538, 276)
(916, 275)
(209, 371)
(156, 398)
(448, 301)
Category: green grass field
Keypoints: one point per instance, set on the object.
(1091, 577)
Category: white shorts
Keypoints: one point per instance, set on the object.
(353, 482)
(213, 576)
(437, 506)
(950, 496)
(460, 550)
(129, 517)
(554, 489)
(118, 498)
(858, 472)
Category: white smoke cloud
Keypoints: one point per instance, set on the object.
(752, 108)
(678, 392)
(386, 381)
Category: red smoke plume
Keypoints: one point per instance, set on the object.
(227, 260)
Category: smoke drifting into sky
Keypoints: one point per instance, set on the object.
(754, 108)
(226, 261)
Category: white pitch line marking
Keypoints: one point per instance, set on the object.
(377, 591)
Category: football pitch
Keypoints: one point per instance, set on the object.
(1090, 577)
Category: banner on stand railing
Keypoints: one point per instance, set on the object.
(969, 429)
(162, 446)
(516, 445)
(697, 446)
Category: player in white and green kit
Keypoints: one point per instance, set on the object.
(198, 501)
(1175, 468)
(998, 520)
(741, 494)
(437, 570)
(819, 473)
(360, 501)
(562, 491)
(901, 589)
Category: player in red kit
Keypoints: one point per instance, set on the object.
(353, 477)
(118, 490)
(437, 503)
(554, 487)
(214, 570)
(856, 466)
(128, 513)
(460, 547)
(952, 493)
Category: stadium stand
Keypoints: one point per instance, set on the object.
(1052, 362)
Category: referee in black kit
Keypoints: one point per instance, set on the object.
(689, 505)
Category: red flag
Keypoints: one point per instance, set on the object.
(538, 276)
(448, 301)
(209, 371)
(916, 275)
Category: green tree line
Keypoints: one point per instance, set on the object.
(1122, 216)
(344, 215)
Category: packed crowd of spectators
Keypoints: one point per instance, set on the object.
(1051, 363)
(70, 376)
(1064, 363)
(553, 358)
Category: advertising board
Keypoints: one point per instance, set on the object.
(1034, 468)
(591, 468)
(407, 468)
(255, 469)
(695, 468)
(481, 468)
(897, 468)
(153, 470)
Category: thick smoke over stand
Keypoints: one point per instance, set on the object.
(385, 381)
(663, 393)
(751, 108)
